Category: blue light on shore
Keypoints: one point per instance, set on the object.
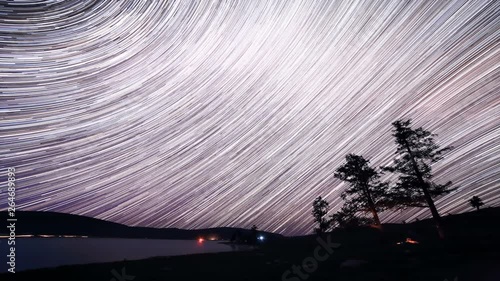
(261, 238)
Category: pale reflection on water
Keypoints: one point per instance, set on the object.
(32, 253)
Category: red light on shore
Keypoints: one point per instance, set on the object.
(200, 240)
(408, 241)
(411, 241)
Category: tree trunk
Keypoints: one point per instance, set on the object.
(375, 216)
(427, 195)
(373, 210)
(434, 211)
(477, 207)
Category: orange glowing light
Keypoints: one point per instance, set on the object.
(408, 241)
(411, 241)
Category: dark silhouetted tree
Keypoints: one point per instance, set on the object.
(320, 209)
(365, 190)
(347, 216)
(476, 202)
(416, 151)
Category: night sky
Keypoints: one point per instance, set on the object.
(233, 113)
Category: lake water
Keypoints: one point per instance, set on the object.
(32, 253)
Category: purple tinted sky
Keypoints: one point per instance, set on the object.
(184, 114)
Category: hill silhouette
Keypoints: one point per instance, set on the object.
(470, 253)
(52, 223)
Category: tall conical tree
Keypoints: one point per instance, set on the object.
(365, 191)
(320, 209)
(416, 151)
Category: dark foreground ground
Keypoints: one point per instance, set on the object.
(471, 252)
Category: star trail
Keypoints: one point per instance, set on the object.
(196, 114)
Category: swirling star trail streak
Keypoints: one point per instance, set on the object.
(198, 114)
